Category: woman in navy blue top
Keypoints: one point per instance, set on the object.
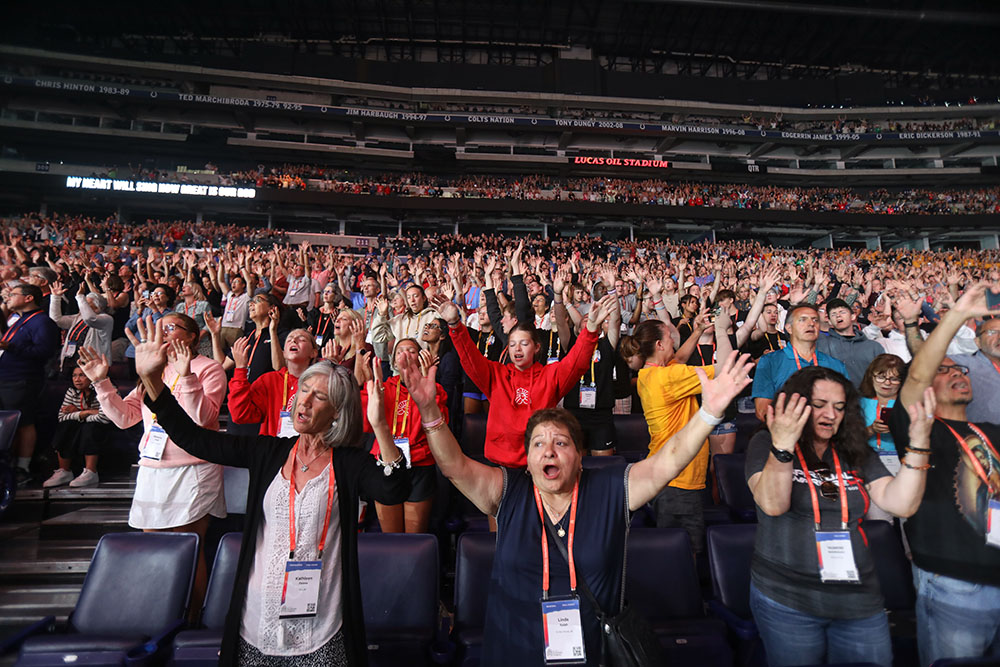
(588, 509)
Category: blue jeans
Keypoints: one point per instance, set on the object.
(793, 638)
(955, 618)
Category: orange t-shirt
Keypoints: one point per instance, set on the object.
(668, 401)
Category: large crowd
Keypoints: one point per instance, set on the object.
(921, 201)
(346, 377)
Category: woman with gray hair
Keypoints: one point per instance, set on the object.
(302, 513)
(91, 327)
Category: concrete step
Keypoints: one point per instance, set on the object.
(87, 523)
(23, 605)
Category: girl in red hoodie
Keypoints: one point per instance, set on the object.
(518, 389)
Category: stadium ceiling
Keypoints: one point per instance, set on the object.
(910, 42)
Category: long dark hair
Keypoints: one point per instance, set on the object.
(850, 441)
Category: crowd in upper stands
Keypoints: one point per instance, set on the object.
(223, 318)
(922, 201)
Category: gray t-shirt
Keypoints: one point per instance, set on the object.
(785, 564)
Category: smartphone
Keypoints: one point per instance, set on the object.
(992, 300)
(884, 413)
(145, 294)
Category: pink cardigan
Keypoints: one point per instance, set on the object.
(200, 394)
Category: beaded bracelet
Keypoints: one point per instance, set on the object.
(926, 466)
(435, 429)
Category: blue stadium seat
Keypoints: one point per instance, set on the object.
(633, 437)
(662, 584)
(473, 565)
(9, 420)
(132, 603)
(399, 592)
(200, 647)
(474, 436)
(733, 489)
(730, 549)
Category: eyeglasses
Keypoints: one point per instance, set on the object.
(169, 328)
(431, 325)
(947, 370)
(888, 379)
(992, 333)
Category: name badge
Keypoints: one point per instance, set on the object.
(551, 360)
(588, 397)
(993, 523)
(890, 461)
(70, 349)
(597, 356)
(319, 342)
(404, 446)
(285, 428)
(563, 632)
(156, 442)
(300, 594)
(836, 557)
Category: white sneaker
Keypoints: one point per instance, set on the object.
(59, 477)
(86, 478)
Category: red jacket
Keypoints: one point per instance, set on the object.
(262, 400)
(398, 404)
(515, 395)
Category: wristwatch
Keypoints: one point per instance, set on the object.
(782, 455)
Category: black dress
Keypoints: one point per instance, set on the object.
(356, 472)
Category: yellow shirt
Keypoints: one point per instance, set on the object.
(668, 401)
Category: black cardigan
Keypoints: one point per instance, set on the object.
(357, 474)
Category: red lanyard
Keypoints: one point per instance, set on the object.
(569, 547)
(75, 331)
(252, 351)
(796, 356)
(83, 401)
(995, 365)
(395, 413)
(291, 506)
(17, 327)
(326, 324)
(972, 457)
(841, 488)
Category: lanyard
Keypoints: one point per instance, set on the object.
(767, 337)
(569, 546)
(260, 335)
(701, 353)
(17, 327)
(83, 401)
(172, 385)
(841, 488)
(284, 394)
(75, 331)
(593, 358)
(795, 355)
(995, 365)
(972, 457)
(326, 324)
(552, 333)
(395, 414)
(291, 507)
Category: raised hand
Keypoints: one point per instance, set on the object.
(213, 325)
(427, 360)
(58, 288)
(180, 358)
(150, 349)
(95, 366)
(446, 309)
(274, 316)
(730, 379)
(786, 418)
(382, 305)
(600, 311)
(422, 388)
(358, 333)
(376, 399)
(972, 303)
(241, 354)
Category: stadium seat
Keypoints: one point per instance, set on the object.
(474, 436)
(133, 602)
(733, 489)
(9, 420)
(473, 566)
(399, 589)
(200, 647)
(662, 584)
(896, 580)
(633, 436)
(730, 549)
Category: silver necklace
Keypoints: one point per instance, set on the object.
(304, 467)
(560, 531)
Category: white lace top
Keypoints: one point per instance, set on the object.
(261, 626)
